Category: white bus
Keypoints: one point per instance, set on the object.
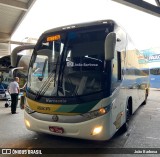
(84, 81)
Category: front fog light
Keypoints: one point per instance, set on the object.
(97, 130)
(27, 123)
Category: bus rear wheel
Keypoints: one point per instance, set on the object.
(124, 127)
(146, 96)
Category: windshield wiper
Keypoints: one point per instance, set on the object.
(74, 90)
(71, 85)
(47, 83)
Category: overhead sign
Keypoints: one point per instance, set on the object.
(149, 56)
(154, 58)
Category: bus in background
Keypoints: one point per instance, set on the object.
(152, 57)
(20, 58)
(155, 77)
(154, 61)
(13, 65)
(84, 81)
(4, 95)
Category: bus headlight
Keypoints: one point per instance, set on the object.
(97, 113)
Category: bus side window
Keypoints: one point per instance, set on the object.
(119, 66)
(116, 70)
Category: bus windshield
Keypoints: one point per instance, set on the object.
(68, 63)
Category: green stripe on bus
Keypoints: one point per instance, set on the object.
(79, 108)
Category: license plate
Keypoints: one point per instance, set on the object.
(56, 129)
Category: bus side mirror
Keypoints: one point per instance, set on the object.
(110, 43)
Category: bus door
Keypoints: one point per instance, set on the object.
(117, 91)
(117, 78)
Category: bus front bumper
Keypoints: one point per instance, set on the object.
(94, 129)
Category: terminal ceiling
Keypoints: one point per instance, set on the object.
(148, 6)
(12, 12)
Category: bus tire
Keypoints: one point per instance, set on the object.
(129, 109)
(124, 127)
(145, 100)
(6, 105)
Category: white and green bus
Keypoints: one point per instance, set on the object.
(84, 81)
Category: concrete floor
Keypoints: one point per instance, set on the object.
(143, 132)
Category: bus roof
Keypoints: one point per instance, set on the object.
(81, 25)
